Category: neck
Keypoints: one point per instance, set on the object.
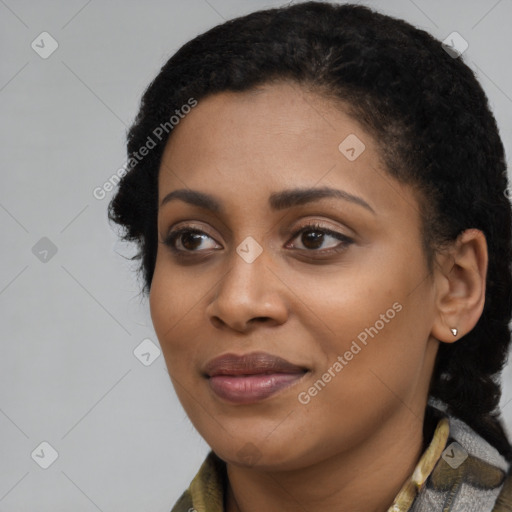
(365, 478)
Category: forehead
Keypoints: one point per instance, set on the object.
(269, 115)
(247, 145)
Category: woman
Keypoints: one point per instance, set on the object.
(318, 196)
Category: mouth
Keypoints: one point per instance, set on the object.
(251, 377)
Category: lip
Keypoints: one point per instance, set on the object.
(249, 378)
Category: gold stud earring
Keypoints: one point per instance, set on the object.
(454, 331)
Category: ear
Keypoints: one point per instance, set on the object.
(460, 276)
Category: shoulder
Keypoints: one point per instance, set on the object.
(470, 475)
(504, 501)
(184, 504)
(206, 491)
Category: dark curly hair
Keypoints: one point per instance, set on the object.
(426, 111)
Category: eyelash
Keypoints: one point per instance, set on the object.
(171, 238)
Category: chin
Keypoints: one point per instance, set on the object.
(264, 455)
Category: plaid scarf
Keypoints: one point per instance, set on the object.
(458, 472)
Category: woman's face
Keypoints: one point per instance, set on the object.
(335, 284)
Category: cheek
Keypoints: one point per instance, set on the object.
(343, 304)
(371, 318)
(377, 322)
(173, 307)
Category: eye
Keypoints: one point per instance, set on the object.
(187, 239)
(314, 236)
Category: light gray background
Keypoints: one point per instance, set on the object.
(68, 374)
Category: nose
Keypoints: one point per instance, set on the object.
(248, 294)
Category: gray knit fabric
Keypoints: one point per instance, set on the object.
(472, 486)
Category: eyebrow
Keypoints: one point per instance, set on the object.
(277, 201)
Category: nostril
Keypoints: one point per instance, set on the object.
(217, 322)
(260, 319)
